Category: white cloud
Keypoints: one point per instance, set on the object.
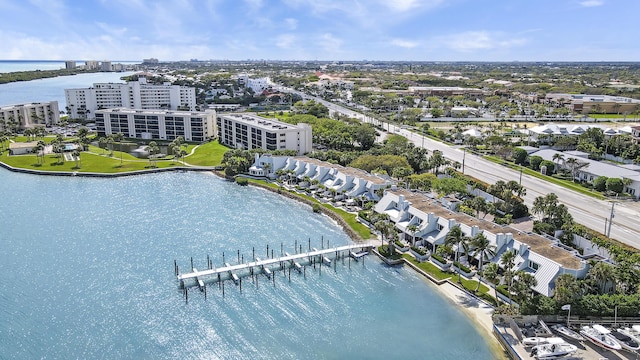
(112, 30)
(404, 43)
(406, 5)
(291, 23)
(330, 43)
(592, 3)
(470, 41)
(254, 4)
(285, 41)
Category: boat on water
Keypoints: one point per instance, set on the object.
(553, 351)
(632, 332)
(600, 336)
(567, 333)
(626, 341)
(539, 340)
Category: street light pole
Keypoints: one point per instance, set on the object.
(464, 156)
(520, 182)
(613, 204)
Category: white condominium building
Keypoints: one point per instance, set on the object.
(249, 131)
(83, 103)
(29, 115)
(156, 124)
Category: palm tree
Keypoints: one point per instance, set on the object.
(455, 236)
(118, 137)
(508, 261)
(76, 156)
(153, 149)
(523, 286)
(603, 274)
(109, 142)
(482, 246)
(40, 146)
(491, 274)
(36, 149)
(558, 157)
(413, 229)
(386, 229)
(267, 169)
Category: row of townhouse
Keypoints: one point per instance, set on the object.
(545, 259)
(348, 182)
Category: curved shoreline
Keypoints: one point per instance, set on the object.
(105, 175)
(455, 295)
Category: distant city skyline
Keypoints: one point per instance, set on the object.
(409, 30)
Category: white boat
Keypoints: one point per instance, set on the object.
(539, 340)
(600, 336)
(552, 351)
(626, 341)
(632, 332)
(567, 333)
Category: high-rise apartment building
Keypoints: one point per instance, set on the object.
(156, 124)
(248, 131)
(83, 103)
(29, 115)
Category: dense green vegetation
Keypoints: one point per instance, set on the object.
(38, 74)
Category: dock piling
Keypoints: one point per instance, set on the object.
(192, 262)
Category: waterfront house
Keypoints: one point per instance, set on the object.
(545, 258)
(346, 182)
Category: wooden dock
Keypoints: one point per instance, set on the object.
(236, 272)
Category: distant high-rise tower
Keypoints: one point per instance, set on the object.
(70, 64)
(106, 66)
(91, 64)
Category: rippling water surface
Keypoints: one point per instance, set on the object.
(87, 270)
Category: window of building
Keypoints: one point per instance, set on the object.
(533, 266)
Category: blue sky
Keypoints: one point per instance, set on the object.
(418, 30)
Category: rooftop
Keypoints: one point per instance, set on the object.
(537, 243)
(357, 173)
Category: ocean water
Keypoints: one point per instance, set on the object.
(87, 270)
(52, 89)
(31, 65)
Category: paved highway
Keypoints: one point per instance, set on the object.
(585, 210)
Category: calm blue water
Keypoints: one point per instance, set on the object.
(87, 270)
(31, 65)
(52, 89)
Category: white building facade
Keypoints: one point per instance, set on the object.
(249, 131)
(30, 114)
(542, 257)
(347, 182)
(83, 103)
(156, 124)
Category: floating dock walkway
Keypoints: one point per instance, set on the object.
(236, 272)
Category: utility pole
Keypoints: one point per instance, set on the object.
(520, 182)
(613, 204)
(464, 155)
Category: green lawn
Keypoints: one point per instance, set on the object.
(469, 285)
(89, 163)
(208, 154)
(428, 267)
(613, 116)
